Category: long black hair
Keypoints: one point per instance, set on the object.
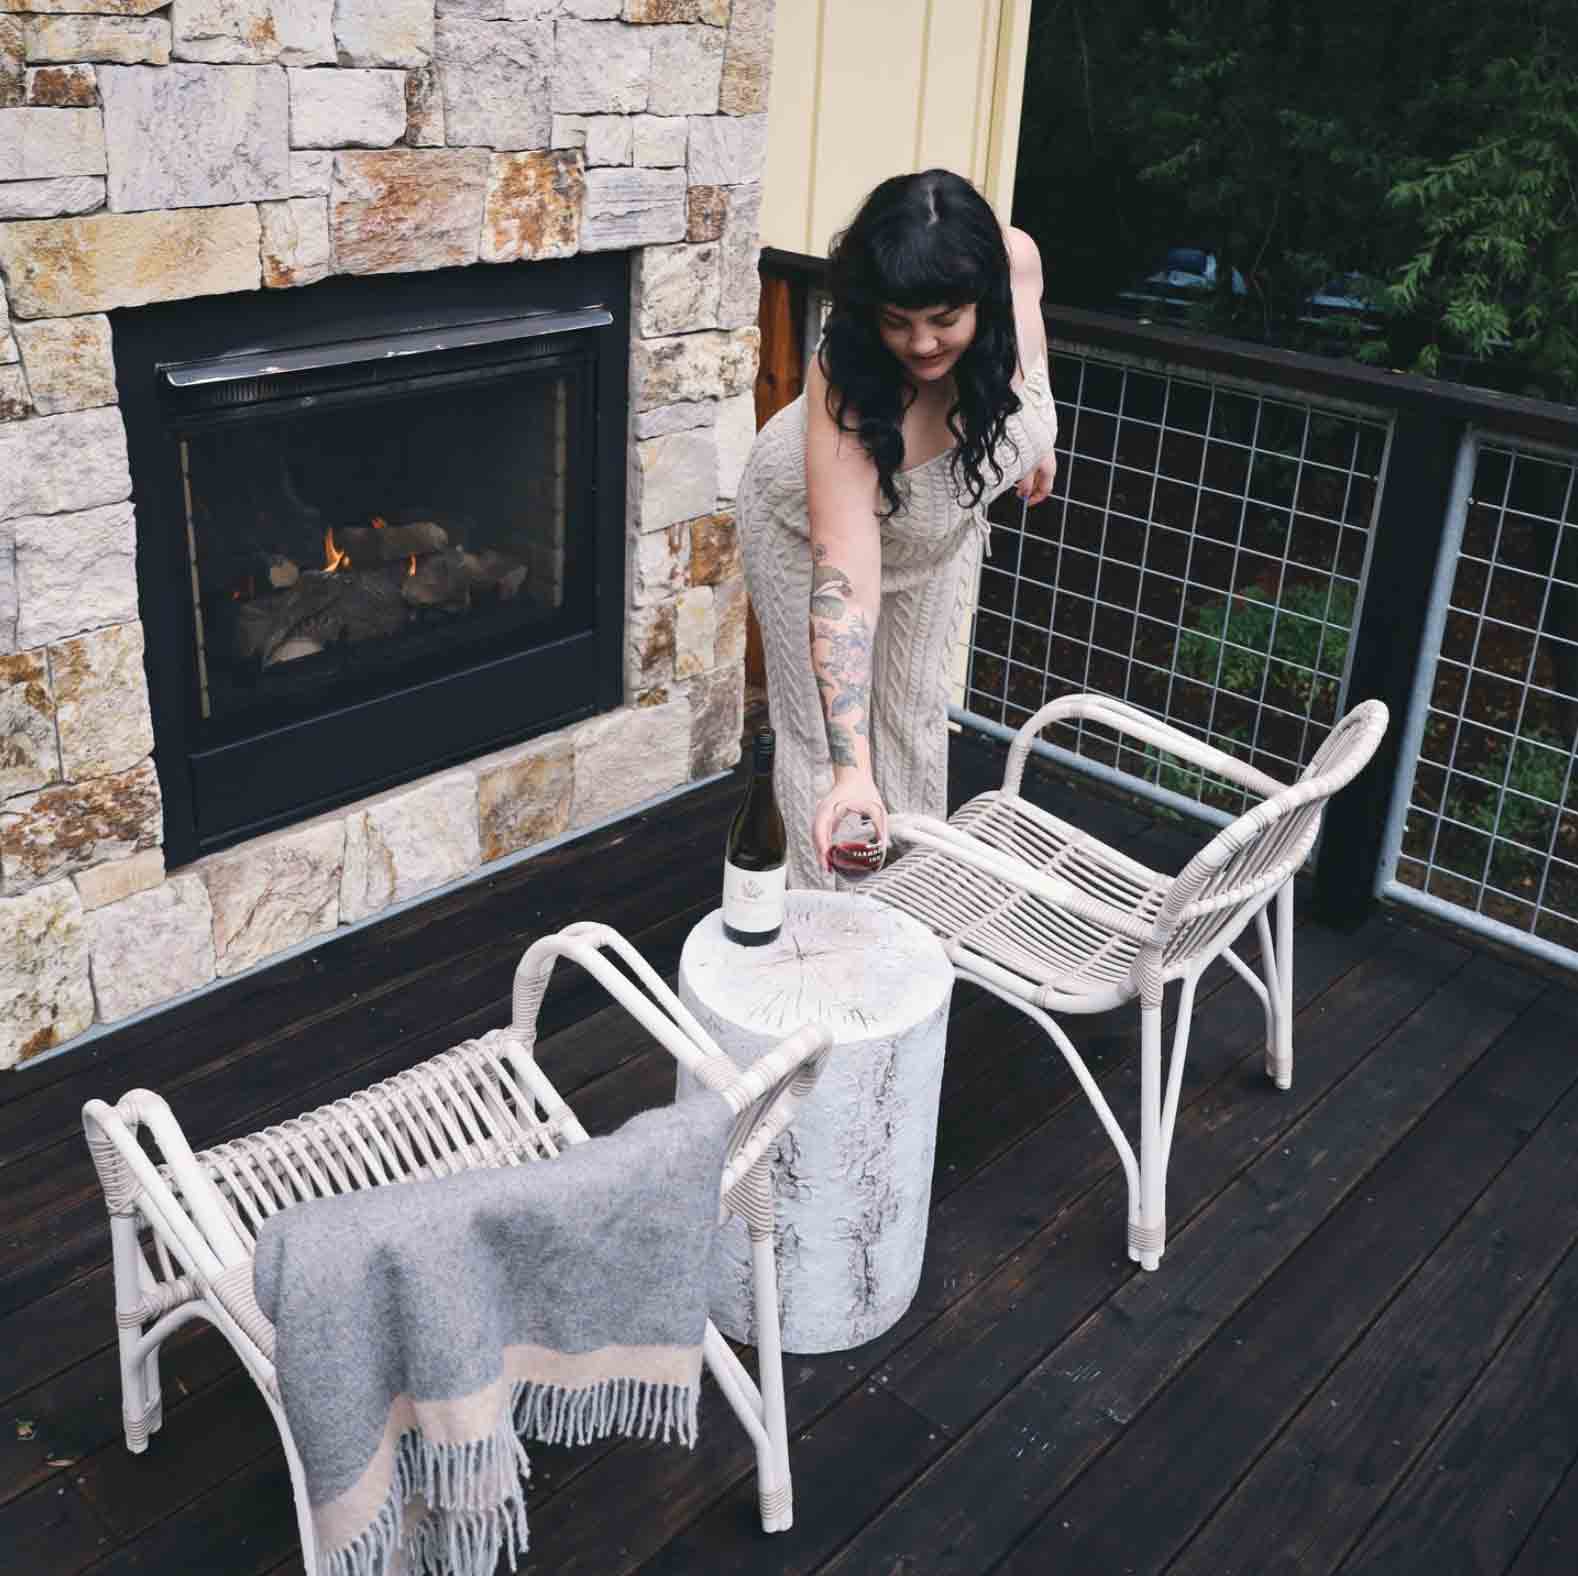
(921, 241)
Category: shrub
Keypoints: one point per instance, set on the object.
(1293, 645)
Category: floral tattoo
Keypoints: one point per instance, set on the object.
(841, 647)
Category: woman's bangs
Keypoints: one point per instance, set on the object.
(919, 273)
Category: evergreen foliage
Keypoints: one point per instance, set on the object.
(1432, 149)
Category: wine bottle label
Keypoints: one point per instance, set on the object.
(753, 899)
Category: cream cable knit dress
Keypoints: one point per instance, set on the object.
(931, 550)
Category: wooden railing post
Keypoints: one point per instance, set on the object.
(1410, 522)
(779, 378)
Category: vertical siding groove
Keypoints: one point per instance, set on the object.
(814, 245)
(916, 160)
(983, 87)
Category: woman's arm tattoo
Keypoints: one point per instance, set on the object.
(841, 654)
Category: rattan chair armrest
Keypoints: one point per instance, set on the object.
(774, 1085)
(1123, 718)
(657, 1009)
(194, 1220)
(923, 831)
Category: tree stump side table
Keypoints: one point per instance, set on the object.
(853, 1175)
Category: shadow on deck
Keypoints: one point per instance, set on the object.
(1358, 1353)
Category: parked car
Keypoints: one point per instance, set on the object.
(1344, 298)
(1186, 278)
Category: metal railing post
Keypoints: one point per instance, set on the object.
(1386, 653)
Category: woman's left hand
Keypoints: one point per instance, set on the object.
(1036, 486)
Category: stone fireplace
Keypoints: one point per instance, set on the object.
(375, 379)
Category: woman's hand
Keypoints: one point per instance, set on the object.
(851, 791)
(1036, 486)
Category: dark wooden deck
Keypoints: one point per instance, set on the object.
(1359, 1353)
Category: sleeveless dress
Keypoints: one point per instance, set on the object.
(931, 552)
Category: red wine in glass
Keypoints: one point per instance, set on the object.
(856, 855)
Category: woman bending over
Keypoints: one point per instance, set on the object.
(862, 508)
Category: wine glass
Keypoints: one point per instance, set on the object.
(856, 850)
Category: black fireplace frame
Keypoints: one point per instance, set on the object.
(224, 781)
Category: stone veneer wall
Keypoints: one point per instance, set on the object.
(152, 151)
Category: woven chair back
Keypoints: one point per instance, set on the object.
(1245, 862)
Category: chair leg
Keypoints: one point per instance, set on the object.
(774, 1486)
(142, 1404)
(1276, 967)
(1280, 1053)
(1148, 1235)
(992, 979)
(298, 1486)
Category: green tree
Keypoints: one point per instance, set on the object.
(1432, 148)
(1494, 273)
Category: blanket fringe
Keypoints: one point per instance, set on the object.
(454, 1510)
(634, 1408)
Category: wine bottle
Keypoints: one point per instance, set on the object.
(754, 875)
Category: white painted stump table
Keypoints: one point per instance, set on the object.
(852, 1177)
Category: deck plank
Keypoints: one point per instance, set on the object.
(889, 1440)
(52, 1528)
(1474, 1497)
(78, 1411)
(1551, 1548)
(223, 1429)
(242, 1527)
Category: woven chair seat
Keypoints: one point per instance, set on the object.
(1067, 955)
(464, 1110)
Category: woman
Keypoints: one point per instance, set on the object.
(864, 501)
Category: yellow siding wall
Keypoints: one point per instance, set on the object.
(864, 89)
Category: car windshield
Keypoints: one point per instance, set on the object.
(1186, 259)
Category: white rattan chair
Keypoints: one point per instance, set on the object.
(484, 1103)
(1053, 920)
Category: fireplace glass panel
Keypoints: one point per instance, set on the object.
(331, 545)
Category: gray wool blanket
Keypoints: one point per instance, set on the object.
(423, 1330)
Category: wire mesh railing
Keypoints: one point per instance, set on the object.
(1203, 555)
(1484, 827)
(1247, 541)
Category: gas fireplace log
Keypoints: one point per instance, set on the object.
(289, 650)
(264, 621)
(319, 610)
(280, 571)
(368, 545)
(492, 570)
(369, 606)
(260, 571)
(439, 580)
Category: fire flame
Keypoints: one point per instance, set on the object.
(333, 558)
(410, 568)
